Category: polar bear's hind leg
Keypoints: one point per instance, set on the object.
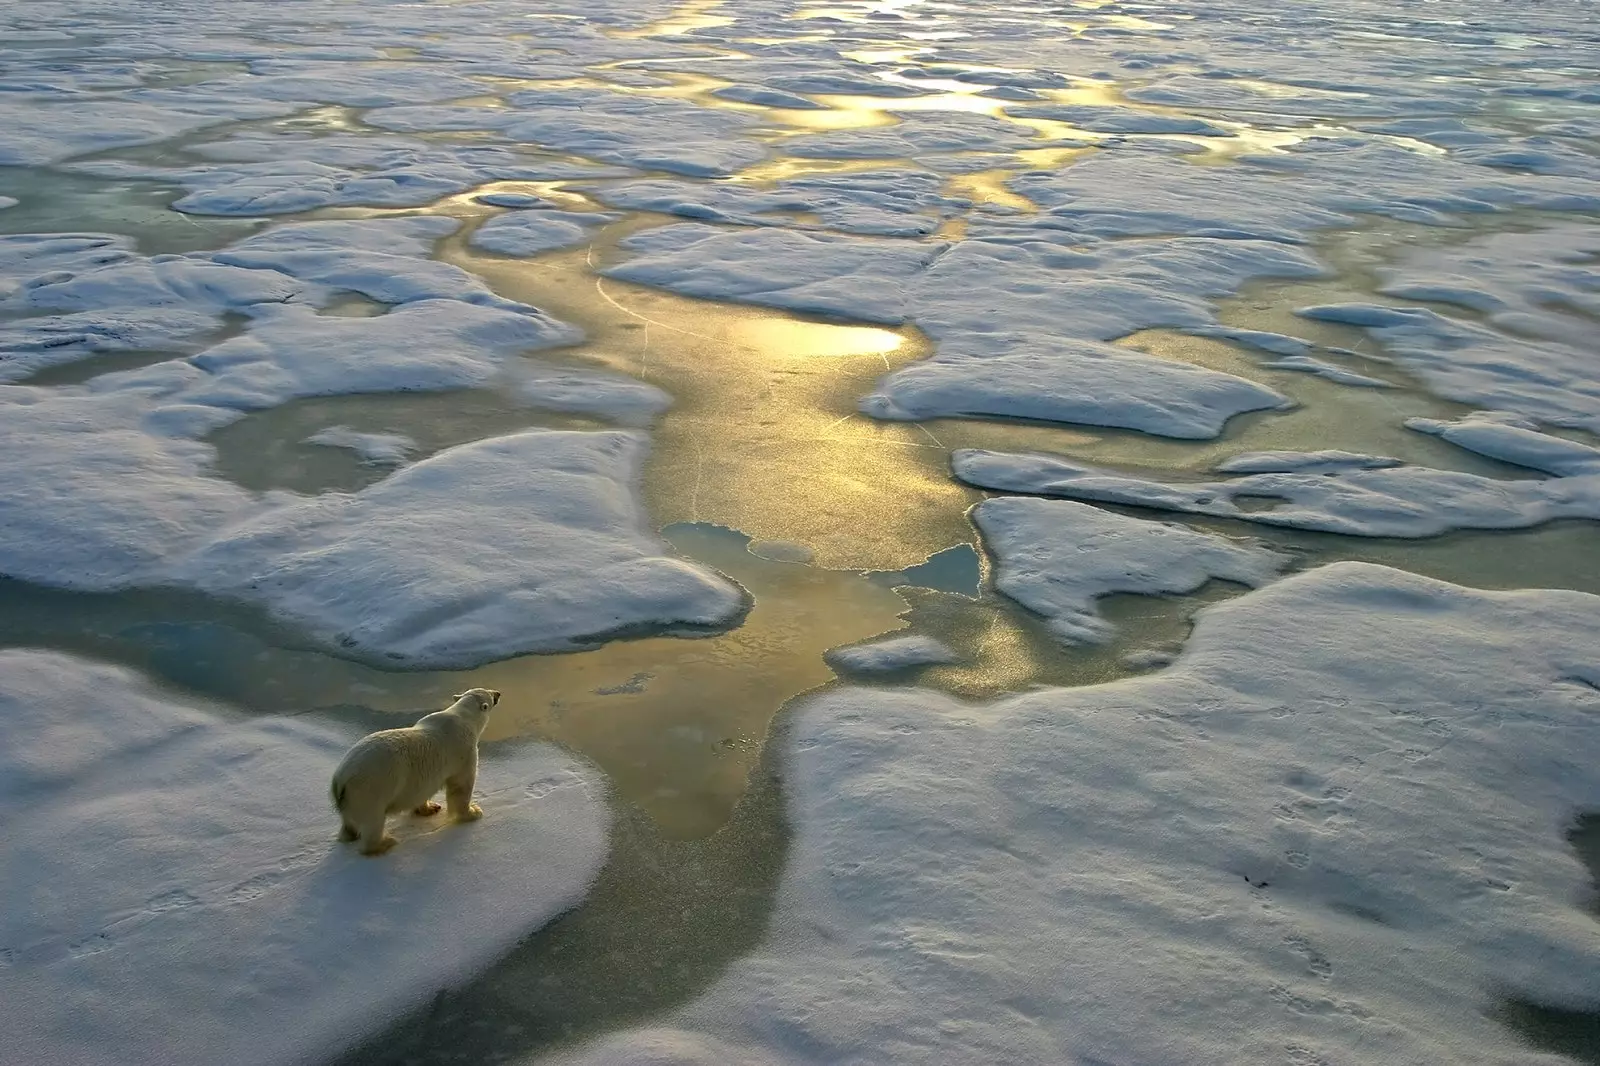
(374, 841)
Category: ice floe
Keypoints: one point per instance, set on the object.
(650, 133)
(1291, 845)
(1082, 382)
(1056, 558)
(887, 656)
(529, 542)
(377, 448)
(1355, 498)
(175, 895)
(525, 233)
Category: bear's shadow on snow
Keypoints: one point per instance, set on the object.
(1564, 1030)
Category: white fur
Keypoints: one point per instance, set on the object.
(399, 770)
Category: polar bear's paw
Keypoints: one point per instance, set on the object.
(382, 845)
(471, 814)
(427, 810)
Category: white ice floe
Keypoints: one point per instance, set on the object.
(1311, 462)
(1293, 845)
(648, 132)
(525, 233)
(1339, 375)
(175, 896)
(887, 656)
(762, 96)
(38, 134)
(1357, 500)
(621, 400)
(530, 542)
(1057, 558)
(1106, 119)
(1541, 283)
(1010, 276)
(820, 273)
(888, 203)
(109, 484)
(1070, 381)
(94, 497)
(1512, 440)
(1550, 381)
(376, 448)
(30, 345)
(996, 303)
(1286, 196)
(1538, 293)
(426, 345)
(384, 259)
(919, 135)
(350, 84)
(276, 175)
(85, 272)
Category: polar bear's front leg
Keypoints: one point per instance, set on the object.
(458, 796)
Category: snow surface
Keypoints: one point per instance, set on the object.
(995, 303)
(1513, 440)
(1471, 363)
(890, 203)
(886, 656)
(376, 448)
(559, 556)
(1072, 381)
(622, 400)
(383, 259)
(652, 133)
(1290, 846)
(1538, 293)
(34, 133)
(1056, 558)
(1356, 499)
(175, 894)
(542, 546)
(524, 233)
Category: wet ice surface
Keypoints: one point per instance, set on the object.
(352, 352)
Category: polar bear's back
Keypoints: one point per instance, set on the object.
(395, 769)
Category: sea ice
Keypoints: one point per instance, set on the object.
(376, 448)
(525, 233)
(1361, 501)
(1056, 558)
(1291, 845)
(1059, 380)
(1477, 364)
(175, 896)
(651, 133)
(886, 656)
(529, 542)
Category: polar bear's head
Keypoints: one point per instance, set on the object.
(478, 699)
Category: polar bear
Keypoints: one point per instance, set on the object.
(398, 770)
